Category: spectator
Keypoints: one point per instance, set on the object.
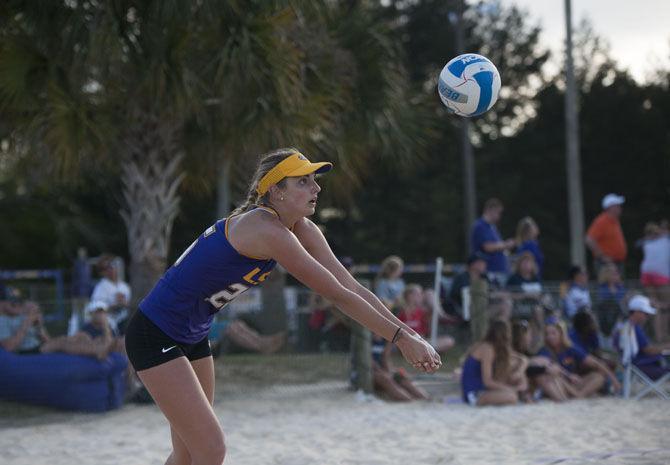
(578, 296)
(389, 284)
(414, 314)
(655, 276)
(611, 292)
(574, 360)
(647, 357)
(112, 291)
(542, 373)
(605, 238)
(486, 239)
(584, 336)
(98, 326)
(526, 239)
(248, 338)
(389, 380)
(22, 331)
(476, 270)
(492, 373)
(526, 290)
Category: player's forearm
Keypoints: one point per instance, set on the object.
(360, 310)
(372, 299)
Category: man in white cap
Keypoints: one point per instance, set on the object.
(647, 357)
(605, 236)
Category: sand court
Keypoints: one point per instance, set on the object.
(326, 424)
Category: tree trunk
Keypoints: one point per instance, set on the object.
(151, 178)
(223, 199)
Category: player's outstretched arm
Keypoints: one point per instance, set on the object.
(282, 245)
(315, 243)
(313, 240)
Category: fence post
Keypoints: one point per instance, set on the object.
(479, 300)
(361, 357)
(439, 263)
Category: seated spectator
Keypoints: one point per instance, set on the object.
(526, 239)
(476, 270)
(492, 373)
(558, 349)
(584, 336)
(22, 331)
(415, 315)
(389, 380)
(99, 328)
(112, 291)
(389, 285)
(240, 334)
(526, 291)
(542, 373)
(647, 357)
(578, 296)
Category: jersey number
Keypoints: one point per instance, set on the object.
(222, 298)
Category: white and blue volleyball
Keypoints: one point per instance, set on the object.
(469, 85)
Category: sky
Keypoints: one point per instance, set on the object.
(638, 32)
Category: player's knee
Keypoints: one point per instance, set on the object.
(216, 450)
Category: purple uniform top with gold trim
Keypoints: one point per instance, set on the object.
(204, 279)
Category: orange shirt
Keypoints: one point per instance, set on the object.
(606, 232)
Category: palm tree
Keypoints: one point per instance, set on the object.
(143, 90)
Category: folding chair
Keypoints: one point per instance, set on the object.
(628, 349)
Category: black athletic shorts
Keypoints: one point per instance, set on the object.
(148, 346)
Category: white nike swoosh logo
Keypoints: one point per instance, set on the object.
(169, 348)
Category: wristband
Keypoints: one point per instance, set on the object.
(396, 336)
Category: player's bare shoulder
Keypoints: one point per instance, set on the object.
(250, 231)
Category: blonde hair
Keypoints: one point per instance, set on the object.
(266, 162)
(389, 265)
(560, 326)
(524, 228)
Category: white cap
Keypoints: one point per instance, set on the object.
(641, 303)
(94, 305)
(612, 199)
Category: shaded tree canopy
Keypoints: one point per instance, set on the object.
(409, 205)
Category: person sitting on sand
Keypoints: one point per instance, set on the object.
(584, 335)
(543, 374)
(594, 374)
(492, 373)
(393, 382)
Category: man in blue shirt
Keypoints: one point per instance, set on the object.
(486, 239)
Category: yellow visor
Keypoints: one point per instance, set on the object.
(295, 165)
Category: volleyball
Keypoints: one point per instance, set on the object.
(469, 84)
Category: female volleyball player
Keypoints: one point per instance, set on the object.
(166, 339)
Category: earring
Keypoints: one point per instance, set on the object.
(281, 198)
